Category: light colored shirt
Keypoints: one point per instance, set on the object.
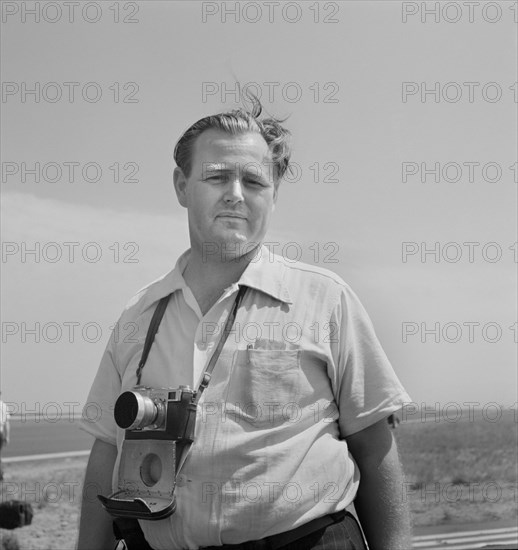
(4, 414)
(4, 422)
(301, 370)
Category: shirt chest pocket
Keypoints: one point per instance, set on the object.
(264, 387)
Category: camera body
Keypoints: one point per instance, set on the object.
(159, 423)
(157, 413)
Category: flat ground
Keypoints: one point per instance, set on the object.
(456, 473)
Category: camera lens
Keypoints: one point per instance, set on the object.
(133, 411)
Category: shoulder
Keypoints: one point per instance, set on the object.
(157, 289)
(311, 272)
(148, 295)
(315, 288)
(300, 275)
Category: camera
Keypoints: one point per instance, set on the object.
(159, 426)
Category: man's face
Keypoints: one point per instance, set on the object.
(230, 193)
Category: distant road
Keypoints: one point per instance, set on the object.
(468, 539)
(44, 456)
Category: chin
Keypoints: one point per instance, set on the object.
(232, 237)
(236, 245)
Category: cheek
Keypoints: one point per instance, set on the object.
(198, 201)
(268, 207)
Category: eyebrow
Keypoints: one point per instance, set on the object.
(223, 169)
(218, 169)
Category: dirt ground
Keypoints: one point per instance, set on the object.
(54, 491)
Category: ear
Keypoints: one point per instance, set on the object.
(180, 186)
(275, 194)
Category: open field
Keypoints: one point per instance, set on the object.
(54, 490)
(460, 472)
(463, 472)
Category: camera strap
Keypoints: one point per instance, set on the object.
(150, 337)
(151, 333)
(153, 329)
(215, 356)
(210, 366)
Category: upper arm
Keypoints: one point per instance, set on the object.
(97, 418)
(103, 452)
(372, 444)
(101, 463)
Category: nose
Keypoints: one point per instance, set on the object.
(233, 191)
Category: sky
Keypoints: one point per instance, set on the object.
(405, 184)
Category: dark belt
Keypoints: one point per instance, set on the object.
(276, 542)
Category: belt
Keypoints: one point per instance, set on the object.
(276, 542)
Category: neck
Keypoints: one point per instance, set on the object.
(208, 277)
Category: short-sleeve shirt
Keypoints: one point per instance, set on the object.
(302, 369)
(4, 416)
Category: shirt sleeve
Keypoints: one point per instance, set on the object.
(365, 385)
(97, 418)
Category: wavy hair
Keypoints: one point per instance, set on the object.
(239, 121)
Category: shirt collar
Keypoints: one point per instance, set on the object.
(266, 273)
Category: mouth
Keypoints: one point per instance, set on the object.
(234, 215)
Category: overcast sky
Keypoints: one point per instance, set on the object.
(404, 128)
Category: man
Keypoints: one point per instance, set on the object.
(4, 431)
(293, 425)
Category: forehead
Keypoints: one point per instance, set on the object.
(217, 146)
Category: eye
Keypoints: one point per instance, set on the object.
(216, 178)
(254, 181)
